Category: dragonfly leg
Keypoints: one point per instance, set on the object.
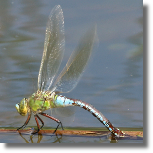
(36, 116)
(58, 121)
(41, 121)
(26, 122)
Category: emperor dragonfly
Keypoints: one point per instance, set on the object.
(46, 97)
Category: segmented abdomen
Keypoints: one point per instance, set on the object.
(64, 101)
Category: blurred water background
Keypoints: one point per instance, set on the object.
(113, 79)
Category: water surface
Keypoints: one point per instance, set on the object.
(113, 79)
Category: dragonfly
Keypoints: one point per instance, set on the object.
(50, 87)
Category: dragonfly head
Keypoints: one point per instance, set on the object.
(22, 107)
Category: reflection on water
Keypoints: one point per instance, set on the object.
(39, 137)
(113, 80)
(85, 138)
(59, 138)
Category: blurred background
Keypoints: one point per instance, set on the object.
(113, 79)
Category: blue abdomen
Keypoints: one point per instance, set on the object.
(62, 101)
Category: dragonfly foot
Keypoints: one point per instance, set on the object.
(33, 133)
(22, 127)
(59, 123)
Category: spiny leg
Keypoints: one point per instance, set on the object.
(26, 122)
(41, 121)
(36, 116)
(58, 121)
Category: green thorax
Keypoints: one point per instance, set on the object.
(41, 101)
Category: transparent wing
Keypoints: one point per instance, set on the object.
(71, 73)
(53, 49)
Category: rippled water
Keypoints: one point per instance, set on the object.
(113, 79)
